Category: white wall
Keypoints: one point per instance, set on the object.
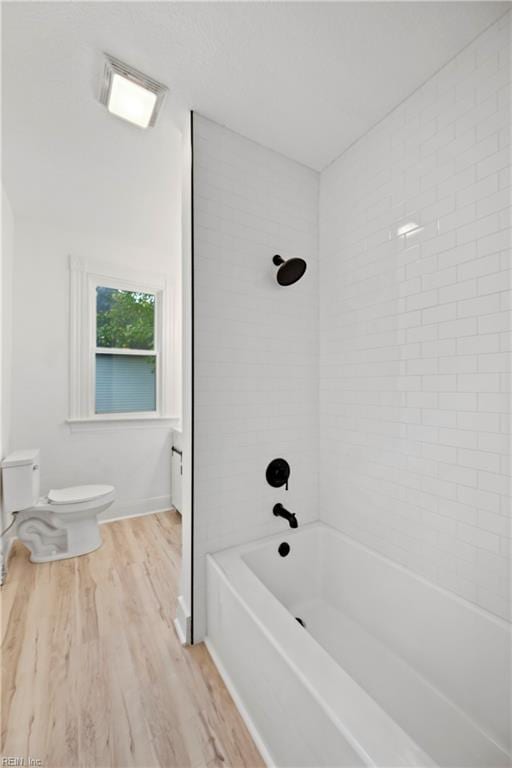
(6, 267)
(84, 183)
(134, 458)
(255, 342)
(414, 330)
(129, 216)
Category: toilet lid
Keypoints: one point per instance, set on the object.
(78, 493)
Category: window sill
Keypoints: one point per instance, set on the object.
(100, 423)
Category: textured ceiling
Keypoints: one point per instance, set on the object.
(306, 79)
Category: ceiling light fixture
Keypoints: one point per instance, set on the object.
(130, 94)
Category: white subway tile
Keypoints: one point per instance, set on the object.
(255, 390)
(461, 438)
(478, 267)
(479, 422)
(477, 191)
(439, 314)
(439, 383)
(495, 163)
(483, 305)
(458, 401)
(478, 382)
(492, 283)
(415, 331)
(478, 537)
(477, 498)
(483, 343)
(440, 278)
(458, 364)
(493, 203)
(463, 512)
(494, 362)
(494, 323)
(495, 483)
(422, 300)
(494, 403)
(439, 418)
(439, 348)
(458, 328)
(489, 462)
(498, 241)
(491, 441)
(460, 290)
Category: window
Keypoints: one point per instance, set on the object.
(119, 355)
(126, 356)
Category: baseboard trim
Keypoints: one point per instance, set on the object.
(120, 510)
(181, 637)
(182, 622)
(251, 727)
(5, 553)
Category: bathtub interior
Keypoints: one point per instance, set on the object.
(437, 665)
(293, 579)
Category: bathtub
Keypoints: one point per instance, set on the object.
(388, 669)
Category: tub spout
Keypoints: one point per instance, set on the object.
(280, 511)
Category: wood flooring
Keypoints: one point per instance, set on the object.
(93, 674)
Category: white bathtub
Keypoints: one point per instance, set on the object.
(389, 671)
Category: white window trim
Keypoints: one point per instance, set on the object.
(85, 276)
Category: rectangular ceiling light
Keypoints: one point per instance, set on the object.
(130, 94)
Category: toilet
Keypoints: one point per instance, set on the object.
(61, 525)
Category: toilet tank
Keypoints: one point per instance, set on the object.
(20, 479)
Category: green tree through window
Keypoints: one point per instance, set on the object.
(124, 319)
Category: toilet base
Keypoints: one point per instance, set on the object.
(61, 556)
(51, 537)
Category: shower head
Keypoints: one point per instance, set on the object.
(289, 271)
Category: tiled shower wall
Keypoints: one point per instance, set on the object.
(415, 330)
(256, 343)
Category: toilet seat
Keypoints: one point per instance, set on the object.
(78, 494)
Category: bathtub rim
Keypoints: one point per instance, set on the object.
(243, 549)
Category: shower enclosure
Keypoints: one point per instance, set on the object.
(380, 374)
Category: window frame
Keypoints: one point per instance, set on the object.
(85, 278)
(124, 285)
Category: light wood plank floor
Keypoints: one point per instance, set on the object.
(93, 674)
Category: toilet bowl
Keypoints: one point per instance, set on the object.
(61, 525)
